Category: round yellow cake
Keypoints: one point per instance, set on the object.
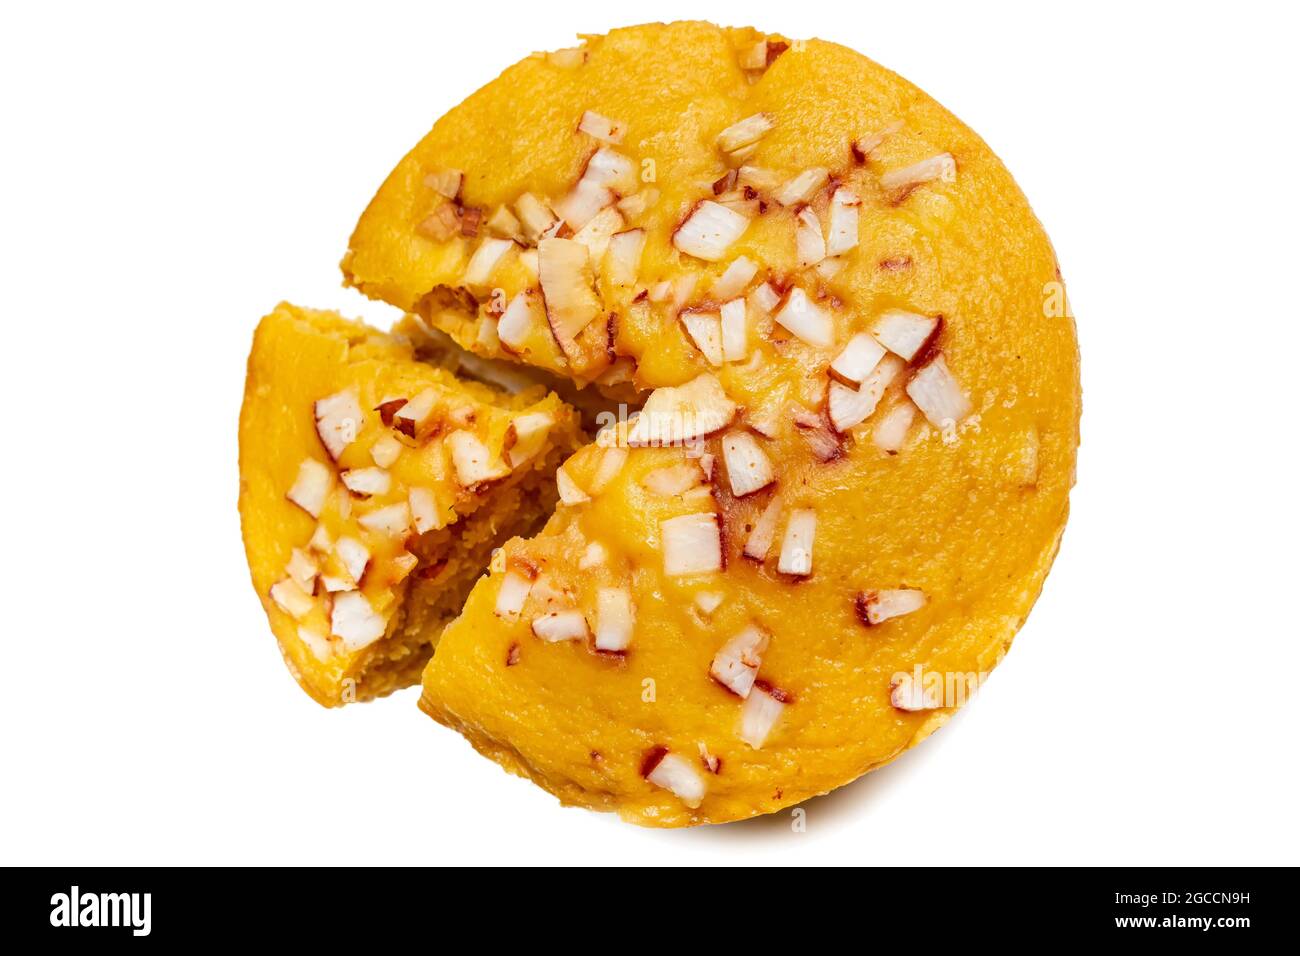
(861, 399)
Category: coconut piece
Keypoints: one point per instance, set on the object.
(797, 546)
(445, 182)
(761, 710)
(338, 421)
(614, 619)
(906, 334)
(519, 319)
(705, 330)
(734, 331)
(937, 394)
(623, 257)
(891, 431)
(675, 414)
(692, 544)
(760, 538)
(676, 774)
(876, 607)
(802, 187)
(736, 663)
(856, 360)
(748, 467)
(366, 481)
(571, 302)
(473, 460)
(745, 133)
(842, 234)
(354, 556)
(556, 626)
(485, 260)
(734, 279)
(598, 231)
(940, 168)
(806, 320)
(311, 487)
(710, 229)
(353, 619)
(602, 128)
(809, 244)
(291, 598)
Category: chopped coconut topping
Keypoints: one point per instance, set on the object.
(810, 246)
(602, 128)
(692, 544)
(906, 693)
(797, 546)
(393, 521)
(598, 231)
(485, 260)
(891, 431)
(291, 598)
(875, 607)
(593, 557)
(517, 322)
(354, 556)
(355, 621)
(761, 710)
(675, 414)
(317, 641)
(672, 480)
(424, 510)
(733, 281)
(445, 182)
(709, 231)
(905, 333)
(938, 395)
(614, 619)
(385, 451)
(848, 406)
(535, 217)
(611, 463)
(748, 467)
(735, 333)
(555, 626)
(570, 493)
(512, 595)
(705, 330)
(737, 662)
(623, 257)
(675, 773)
(338, 420)
(571, 303)
(302, 568)
(473, 461)
(708, 601)
(843, 232)
(807, 320)
(413, 414)
(311, 487)
(856, 361)
(760, 539)
(366, 481)
(942, 168)
(744, 133)
(802, 188)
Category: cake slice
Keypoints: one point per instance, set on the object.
(373, 489)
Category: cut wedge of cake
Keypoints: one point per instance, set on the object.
(373, 488)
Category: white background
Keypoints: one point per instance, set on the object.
(170, 174)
